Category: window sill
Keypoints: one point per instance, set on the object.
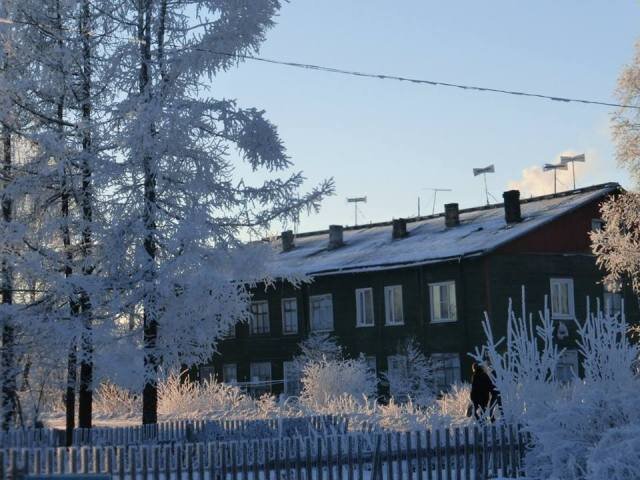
(444, 321)
(563, 317)
(289, 334)
(366, 326)
(321, 331)
(401, 324)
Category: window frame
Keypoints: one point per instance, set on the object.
(447, 283)
(284, 317)
(224, 376)
(255, 389)
(361, 310)
(446, 357)
(613, 295)
(253, 321)
(389, 309)
(288, 381)
(312, 298)
(572, 365)
(570, 300)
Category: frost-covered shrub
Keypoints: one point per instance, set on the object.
(414, 381)
(567, 439)
(327, 380)
(522, 366)
(456, 401)
(112, 401)
(210, 399)
(616, 455)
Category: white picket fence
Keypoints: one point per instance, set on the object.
(189, 431)
(466, 453)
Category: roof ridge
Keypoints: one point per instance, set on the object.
(492, 206)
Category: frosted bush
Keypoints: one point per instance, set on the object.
(327, 380)
(566, 440)
(456, 401)
(210, 399)
(415, 380)
(523, 365)
(112, 401)
(616, 455)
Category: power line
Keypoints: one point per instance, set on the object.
(434, 83)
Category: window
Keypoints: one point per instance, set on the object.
(443, 302)
(397, 366)
(207, 373)
(567, 367)
(612, 303)
(289, 316)
(260, 381)
(562, 298)
(597, 224)
(394, 314)
(291, 379)
(364, 307)
(321, 308)
(230, 332)
(230, 373)
(259, 318)
(371, 364)
(446, 370)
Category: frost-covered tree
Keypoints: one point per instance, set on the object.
(179, 199)
(414, 379)
(523, 365)
(617, 244)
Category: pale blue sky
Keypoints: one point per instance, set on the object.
(389, 140)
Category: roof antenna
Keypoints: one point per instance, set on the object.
(572, 160)
(555, 168)
(435, 195)
(483, 172)
(356, 201)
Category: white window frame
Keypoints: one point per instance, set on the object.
(609, 299)
(393, 293)
(570, 298)
(398, 364)
(568, 364)
(597, 224)
(444, 359)
(291, 379)
(371, 362)
(361, 308)
(253, 321)
(260, 388)
(283, 302)
(207, 372)
(225, 376)
(323, 297)
(452, 318)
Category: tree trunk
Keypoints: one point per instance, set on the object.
(8, 355)
(86, 362)
(150, 322)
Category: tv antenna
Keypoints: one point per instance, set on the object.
(572, 160)
(435, 196)
(356, 201)
(555, 168)
(483, 172)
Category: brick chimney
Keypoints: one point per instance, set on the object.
(287, 241)
(335, 236)
(512, 206)
(451, 215)
(399, 228)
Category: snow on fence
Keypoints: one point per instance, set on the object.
(179, 431)
(466, 453)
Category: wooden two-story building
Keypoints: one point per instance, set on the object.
(431, 278)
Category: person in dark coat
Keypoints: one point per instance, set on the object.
(484, 394)
(481, 387)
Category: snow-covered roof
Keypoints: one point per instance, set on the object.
(481, 230)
